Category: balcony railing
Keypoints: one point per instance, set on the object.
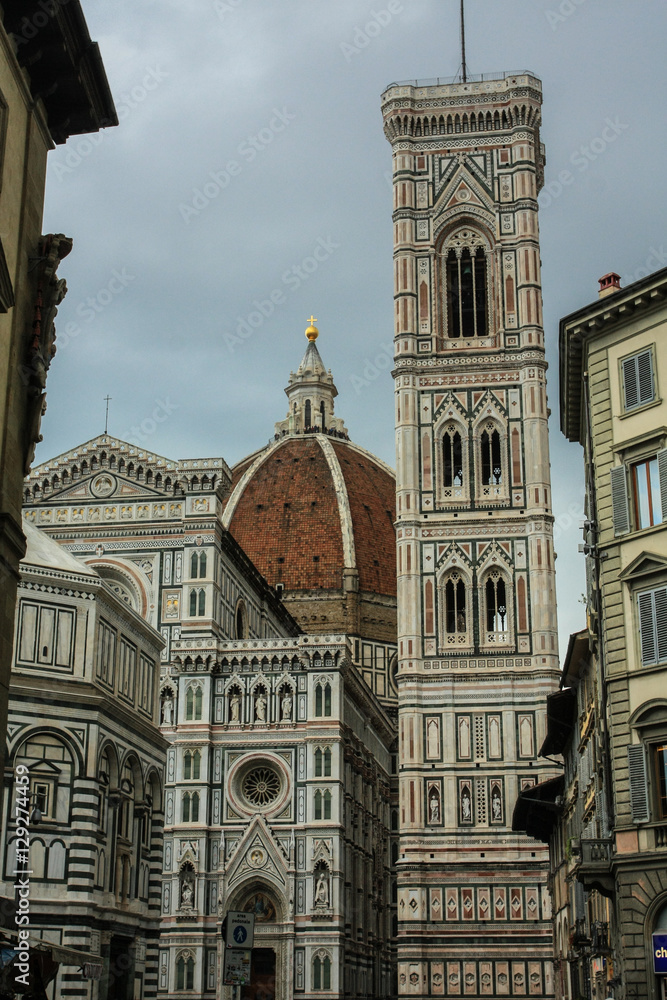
(596, 852)
(594, 869)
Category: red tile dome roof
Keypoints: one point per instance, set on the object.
(311, 506)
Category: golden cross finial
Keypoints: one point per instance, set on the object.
(312, 333)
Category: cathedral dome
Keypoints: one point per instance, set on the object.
(315, 513)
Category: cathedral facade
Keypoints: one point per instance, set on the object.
(273, 587)
(477, 644)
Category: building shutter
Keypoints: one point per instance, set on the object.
(645, 376)
(653, 625)
(630, 386)
(662, 476)
(647, 627)
(619, 500)
(638, 783)
(660, 597)
(638, 379)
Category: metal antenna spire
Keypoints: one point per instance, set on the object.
(464, 69)
(106, 419)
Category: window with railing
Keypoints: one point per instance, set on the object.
(496, 611)
(466, 293)
(455, 611)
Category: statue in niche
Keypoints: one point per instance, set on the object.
(496, 804)
(466, 805)
(286, 706)
(168, 710)
(187, 895)
(260, 707)
(235, 707)
(322, 889)
(434, 807)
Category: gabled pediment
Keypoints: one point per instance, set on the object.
(45, 767)
(449, 407)
(461, 191)
(108, 467)
(646, 564)
(104, 486)
(489, 404)
(257, 856)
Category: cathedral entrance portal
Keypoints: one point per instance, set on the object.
(262, 984)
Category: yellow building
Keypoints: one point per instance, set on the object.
(613, 364)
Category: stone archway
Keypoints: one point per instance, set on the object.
(272, 968)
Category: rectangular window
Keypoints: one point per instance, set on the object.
(646, 491)
(660, 766)
(638, 382)
(106, 653)
(652, 607)
(42, 797)
(128, 661)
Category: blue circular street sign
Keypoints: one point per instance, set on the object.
(240, 934)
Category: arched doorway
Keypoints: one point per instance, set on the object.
(272, 954)
(262, 985)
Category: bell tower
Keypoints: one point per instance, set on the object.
(476, 596)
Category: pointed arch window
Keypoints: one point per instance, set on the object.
(323, 700)
(323, 763)
(322, 973)
(466, 293)
(191, 765)
(241, 621)
(193, 704)
(194, 565)
(455, 616)
(197, 602)
(496, 609)
(452, 458)
(190, 807)
(308, 415)
(491, 455)
(322, 805)
(185, 973)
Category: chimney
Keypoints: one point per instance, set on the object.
(609, 284)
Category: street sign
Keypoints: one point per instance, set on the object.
(240, 927)
(660, 953)
(237, 967)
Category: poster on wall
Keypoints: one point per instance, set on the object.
(660, 953)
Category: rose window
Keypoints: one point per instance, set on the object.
(261, 786)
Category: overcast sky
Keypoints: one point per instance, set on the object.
(251, 135)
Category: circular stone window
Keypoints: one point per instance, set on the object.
(261, 786)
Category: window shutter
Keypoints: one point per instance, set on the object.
(661, 623)
(630, 382)
(645, 376)
(638, 783)
(646, 627)
(662, 476)
(638, 379)
(619, 500)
